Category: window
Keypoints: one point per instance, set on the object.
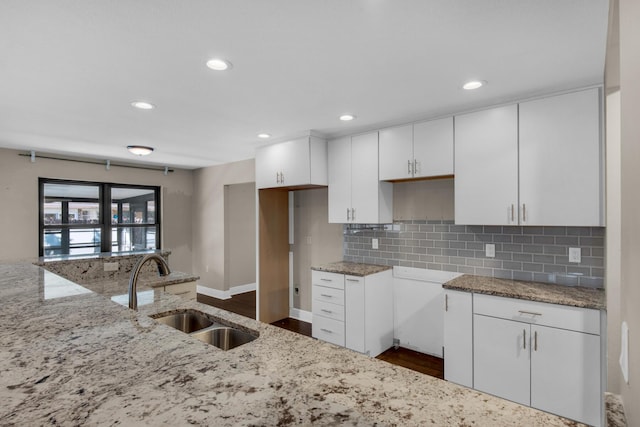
(85, 218)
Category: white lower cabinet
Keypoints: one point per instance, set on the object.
(543, 355)
(458, 337)
(353, 311)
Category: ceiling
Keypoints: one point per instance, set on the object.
(69, 70)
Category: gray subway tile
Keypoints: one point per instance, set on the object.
(544, 240)
(406, 264)
(434, 236)
(579, 231)
(413, 257)
(457, 228)
(457, 245)
(512, 265)
(419, 250)
(511, 247)
(441, 259)
(592, 241)
(449, 236)
(555, 250)
(503, 238)
(449, 267)
(553, 268)
(543, 277)
(544, 259)
(426, 228)
(450, 252)
(466, 253)
(433, 266)
(512, 229)
(475, 262)
(522, 239)
(592, 282)
(466, 237)
(576, 270)
(523, 275)
(493, 263)
(405, 235)
(523, 257)
(434, 251)
(419, 235)
(597, 272)
(476, 246)
(484, 272)
(412, 227)
(599, 252)
(532, 267)
(492, 229)
(399, 256)
(488, 238)
(592, 262)
(533, 230)
(427, 243)
(441, 228)
(567, 240)
(598, 231)
(419, 264)
(475, 229)
(567, 280)
(441, 243)
(426, 258)
(457, 260)
(555, 231)
(466, 270)
(503, 274)
(506, 256)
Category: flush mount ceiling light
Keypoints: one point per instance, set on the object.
(218, 64)
(140, 150)
(347, 117)
(474, 84)
(143, 105)
(264, 135)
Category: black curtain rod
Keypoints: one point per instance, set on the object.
(39, 156)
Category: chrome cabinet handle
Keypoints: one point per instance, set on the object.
(415, 167)
(326, 295)
(281, 177)
(326, 280)
(353, 214)
(347, 214)
(535, 341)
(409, 167)
(326, 330)
(524, 213)
(532, 313)
(277, 177)
(353, 280)
(446, 302)
(326, 311)
(524, 339)
(512, 213)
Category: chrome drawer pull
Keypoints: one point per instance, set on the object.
(524, 339)
(353, 280)
(529, 312)
(326, 330)
(535, 341)
(326, 295)
(326, 311)
(326, 280)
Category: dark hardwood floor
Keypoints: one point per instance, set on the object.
(410, 359)
(245, 305)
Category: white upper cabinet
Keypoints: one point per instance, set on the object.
(299, 162)
(420, 150)
(355, 193)
(486, 167)
(536, 163)
(560, 166)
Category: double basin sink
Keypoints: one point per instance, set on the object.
(202, 327)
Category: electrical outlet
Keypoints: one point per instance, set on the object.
(111, 266)
(575, 255)
(490, 250)
(296, 291)
(374, 243)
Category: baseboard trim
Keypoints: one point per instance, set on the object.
(302, 315)
(217, 293)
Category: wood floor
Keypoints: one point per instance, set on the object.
(245, 305)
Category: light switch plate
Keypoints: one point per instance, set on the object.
(575, 255)
(374, 243)
(490, 250)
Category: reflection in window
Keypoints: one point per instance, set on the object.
(73, 220)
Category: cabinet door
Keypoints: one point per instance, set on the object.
(339, 170)
(565, 373)
(268, 166)
(396, 153)
(365, 186)
(354, 313)
(458, 337)
(501, 362)
(560, 163)
(433, 147)
(486, 167)
(296, 162)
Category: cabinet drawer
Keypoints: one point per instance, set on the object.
(322, 293)
(538, 313)
(327, 309)
(329, 330)
(330, 280)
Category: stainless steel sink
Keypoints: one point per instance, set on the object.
(202, 327)
(225, 338)
(186, 321)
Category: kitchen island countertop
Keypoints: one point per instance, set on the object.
(72, 356)
(352, 268)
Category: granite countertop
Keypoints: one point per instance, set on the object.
(71, 356)
(575, 296)
(145, 280)
(352, 268)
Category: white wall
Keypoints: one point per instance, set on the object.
(240, 234)
(208, 218)
(19, 195)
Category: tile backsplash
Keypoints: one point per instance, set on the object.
(538, 254)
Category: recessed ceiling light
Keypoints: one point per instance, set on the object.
(143, 105)
(347, 117)
(219, 64)
(140, 150)
(474, 84)
(264, 135)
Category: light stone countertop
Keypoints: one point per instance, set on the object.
(352, 268)
(575, 296)
(70, 356)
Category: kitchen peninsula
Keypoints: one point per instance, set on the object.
(82, 359)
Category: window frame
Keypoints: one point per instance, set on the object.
(105, 220)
